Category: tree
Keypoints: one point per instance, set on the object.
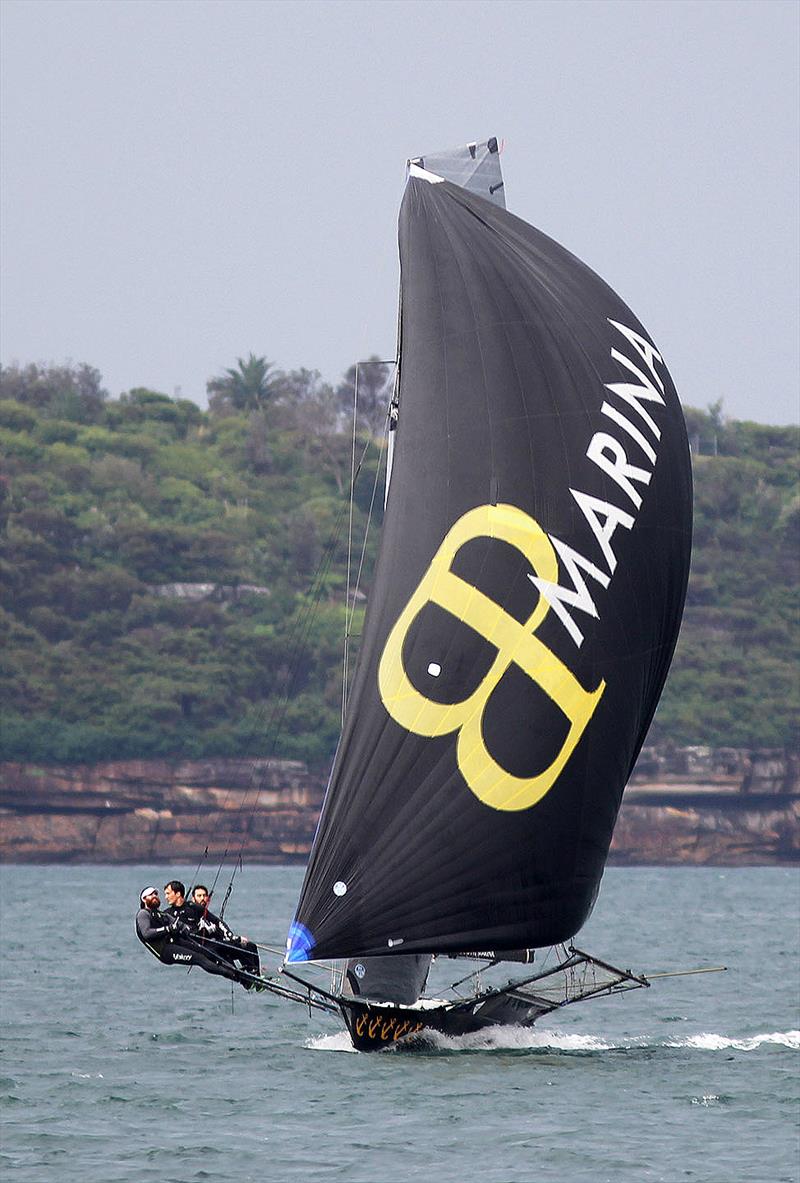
(247, 388)
(309, 407)
(59, 392)
(375, 381)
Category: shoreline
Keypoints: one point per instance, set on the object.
(682, 807)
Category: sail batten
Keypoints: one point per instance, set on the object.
(525, 606)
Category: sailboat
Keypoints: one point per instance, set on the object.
(523, 615)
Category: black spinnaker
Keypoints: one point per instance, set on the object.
(525, 607)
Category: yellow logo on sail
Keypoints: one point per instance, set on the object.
(515, 643)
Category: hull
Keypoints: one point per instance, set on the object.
(374, 1027)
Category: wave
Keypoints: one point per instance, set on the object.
(718, 1043)
(340, 1042)
(526, 1039)
(493, 1039)
(516, 1039)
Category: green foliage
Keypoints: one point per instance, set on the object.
(734, 678)
(183, 460)
(53, 431)
(16, 417)
(96, 439)
(134, 527)
(19, 445)
(57, 392)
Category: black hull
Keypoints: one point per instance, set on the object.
(374, 1027)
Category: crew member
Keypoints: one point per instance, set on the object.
(226, 943)
(170, 940)
(177, 906)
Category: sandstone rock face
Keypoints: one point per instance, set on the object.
(669, 835)
(734, 770)
(686, 805)
(707, 806)
(135, 810)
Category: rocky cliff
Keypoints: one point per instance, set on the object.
(700, 805)
(687, 805)
(158, 810)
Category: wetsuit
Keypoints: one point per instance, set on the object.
(226, 944)
(157, 931)
(188, 913)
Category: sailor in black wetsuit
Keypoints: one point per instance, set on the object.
(177, 905)
(225, 943)
(169, 939)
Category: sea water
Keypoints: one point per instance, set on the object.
(117, 1069)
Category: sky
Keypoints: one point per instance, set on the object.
(187, 181)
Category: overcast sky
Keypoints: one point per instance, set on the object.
(185, 181)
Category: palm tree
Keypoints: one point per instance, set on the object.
(246, 388)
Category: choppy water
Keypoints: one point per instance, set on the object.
(119, 1070)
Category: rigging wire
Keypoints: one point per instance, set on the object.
(350, 603)
(350, 596)
(346, 653)
(298, 642)
(303, 626)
